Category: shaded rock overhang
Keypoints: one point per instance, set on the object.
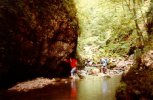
(35, 37)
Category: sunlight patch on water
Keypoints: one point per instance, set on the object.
(98, 89)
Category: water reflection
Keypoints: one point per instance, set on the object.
(73, 93)
(87, 89)
(98, 88)
(104, 86)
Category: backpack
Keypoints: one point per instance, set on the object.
(104, 61)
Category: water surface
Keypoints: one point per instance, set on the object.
(92, 88)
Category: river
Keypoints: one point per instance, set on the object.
(91, 88)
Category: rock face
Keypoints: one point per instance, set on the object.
(35, 36)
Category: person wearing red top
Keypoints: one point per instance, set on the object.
(73, 63)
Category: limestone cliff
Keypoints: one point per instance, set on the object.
(35, 36)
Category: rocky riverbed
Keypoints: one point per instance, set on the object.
(86, 73)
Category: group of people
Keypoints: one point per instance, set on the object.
(73, 63)
(103, 63)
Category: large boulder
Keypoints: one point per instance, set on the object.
(35, 36)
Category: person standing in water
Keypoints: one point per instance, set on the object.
(73, 64)
(104, 62)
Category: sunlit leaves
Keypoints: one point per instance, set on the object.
(109, 20)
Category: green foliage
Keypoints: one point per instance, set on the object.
(109, 26)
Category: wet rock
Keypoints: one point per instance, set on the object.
(147, 59)
(82, 73)
(95, 71)
(121, 64)
(92, 70)
(32, 84)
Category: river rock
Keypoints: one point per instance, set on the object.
(147, 59)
